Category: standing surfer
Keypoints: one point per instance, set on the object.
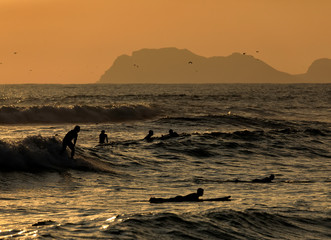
(67, 140)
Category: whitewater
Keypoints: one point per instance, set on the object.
(229, 134)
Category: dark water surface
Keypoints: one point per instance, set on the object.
(228, 135)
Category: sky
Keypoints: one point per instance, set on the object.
(76, 41)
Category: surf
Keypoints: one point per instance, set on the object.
(76, 114)
(37, 153)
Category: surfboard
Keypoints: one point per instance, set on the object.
(216, 199)
(163, 200)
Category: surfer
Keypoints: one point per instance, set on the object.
(67, 140)
(103, 137)
(264, 180)
(192, 197)
(148, 137)
(170, 135)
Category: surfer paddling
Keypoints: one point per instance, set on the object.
(264, 180)
(67, 140)
(171, 134)
(192, 197)
(149, 137)
(257, 180)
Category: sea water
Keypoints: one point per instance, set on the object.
(228, 135)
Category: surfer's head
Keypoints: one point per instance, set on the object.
(103, 131)
(200, 191)
(272, 177)
(77, 128)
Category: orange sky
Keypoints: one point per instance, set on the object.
(76, 41)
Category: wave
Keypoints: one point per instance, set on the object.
(76, 114)
(235, 120)
(211, 224)
(37, 153)
(268, 142)
(229, 224)
(247, 135)
(250, 224)
(310, 127)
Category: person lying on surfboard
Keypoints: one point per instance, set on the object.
(149, 137)
(264, 180)
(171, 134)
(192, 197)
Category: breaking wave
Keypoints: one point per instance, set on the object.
(76, 114)
(37, 153)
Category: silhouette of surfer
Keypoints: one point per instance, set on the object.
(257, 180)
(170, 135)
(192, 197)
(103, 137)
(264, 180)
(149, 136)
(67, 140)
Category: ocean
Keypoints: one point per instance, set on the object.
(229, 134)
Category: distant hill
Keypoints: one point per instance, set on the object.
(319, 71)
(172, 65)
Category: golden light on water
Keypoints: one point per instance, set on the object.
(112, 219)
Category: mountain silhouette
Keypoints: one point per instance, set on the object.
(319, 71)
(172, 65)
